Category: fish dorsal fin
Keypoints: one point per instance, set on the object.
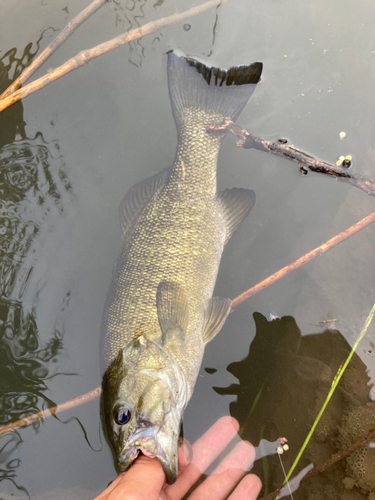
(137, 197)
(216, 312)
(173, 310)
(236, 204)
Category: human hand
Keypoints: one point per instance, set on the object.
(145, 480)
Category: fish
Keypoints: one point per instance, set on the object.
(160, 312)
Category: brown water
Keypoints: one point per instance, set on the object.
(68, 154)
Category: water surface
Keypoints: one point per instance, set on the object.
(70, 152)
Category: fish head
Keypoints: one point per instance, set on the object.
(144, 395)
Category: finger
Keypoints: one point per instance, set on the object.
(185, 455)
(144, 479)
(105, 493)
(205, 450)
(228, 473)
(213, 442)
(241, 457)
(248, 488)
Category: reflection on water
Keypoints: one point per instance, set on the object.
(130, 15)
(33, 190)
(11, 66)
(283, 383)
(31, 193)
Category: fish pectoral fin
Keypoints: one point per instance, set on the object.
(173, 310)
(236, 204)
(137, 198)
(216, 312)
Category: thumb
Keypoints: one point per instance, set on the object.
(144, 480)
(145, 477)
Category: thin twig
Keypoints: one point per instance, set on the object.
(306, 162)
(24, 422)
(86, 56)
(335, 458)
(53, 46)
(369, 219)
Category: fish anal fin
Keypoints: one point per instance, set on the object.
(216, 312)
(137, 198)
(236, 204)
(173, 310)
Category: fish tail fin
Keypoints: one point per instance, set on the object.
(195, 85)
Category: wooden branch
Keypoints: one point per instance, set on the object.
(306, 162)
(53, 46)
(355, 228)
(335, 458)
(24, 422)
(86, 56)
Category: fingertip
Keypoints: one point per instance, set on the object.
(185, 453)
(249, 488)
(254, 483)
(250, 450)
(241, 458)
(146, 467)
(229, 421)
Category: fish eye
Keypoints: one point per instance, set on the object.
(122, 415)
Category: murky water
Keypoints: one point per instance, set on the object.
(70, 151)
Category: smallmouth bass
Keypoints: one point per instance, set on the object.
(159, 312)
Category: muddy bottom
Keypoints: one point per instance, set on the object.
(283, 384)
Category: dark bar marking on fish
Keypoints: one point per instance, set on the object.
(236, 75)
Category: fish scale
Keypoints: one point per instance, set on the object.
(179, 237)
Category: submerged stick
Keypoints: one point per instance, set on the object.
(53, 46)
(355, 228)
(306, 162)
(24, 422)
(86, 56)
(235, 302)
(335, 458)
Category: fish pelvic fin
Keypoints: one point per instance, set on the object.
(215, 314)
(192, 84)
(173, 310)
(236, 204)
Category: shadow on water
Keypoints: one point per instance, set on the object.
(283, 383)
(32, 190)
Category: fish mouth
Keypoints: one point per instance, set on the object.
(144, 441)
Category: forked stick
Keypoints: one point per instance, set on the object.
(366, 221)
(305, 162)
(86, 56)
(53, 46)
